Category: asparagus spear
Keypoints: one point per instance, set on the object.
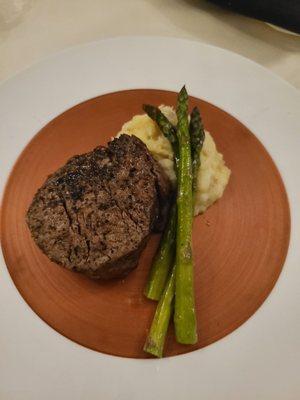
(185, 317)
(155, 341)
(164, 125)
(197, 136)
(165, 255)
(158, 331)
(163, 259)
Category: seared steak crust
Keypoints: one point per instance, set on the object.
(95, 214)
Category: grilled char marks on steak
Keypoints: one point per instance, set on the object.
(95, 214)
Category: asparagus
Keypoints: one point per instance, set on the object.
(163, 259)
(165, 254)
(184, 316)
(155, 341)
(164, 125)
(157, 288)
(197, 136)
(158, 331)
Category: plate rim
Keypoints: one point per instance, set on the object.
(195, 356)
(20, 157)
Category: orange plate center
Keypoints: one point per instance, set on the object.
(240, 243)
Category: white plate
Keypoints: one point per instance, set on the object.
(261, 359)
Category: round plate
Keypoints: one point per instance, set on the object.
(232, 276)
(36, 362)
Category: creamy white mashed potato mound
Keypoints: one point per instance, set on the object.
(213, 174)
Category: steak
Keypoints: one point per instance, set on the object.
(94, 215)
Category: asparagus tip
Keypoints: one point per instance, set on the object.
(183, 91)
(195, 111)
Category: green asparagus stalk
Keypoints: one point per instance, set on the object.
(165, 255)
(163, 259)
(184, 316)
(155, 341)
(164, 125)
(157, 288)
(197, 135)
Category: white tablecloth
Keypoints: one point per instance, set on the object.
(43, 27)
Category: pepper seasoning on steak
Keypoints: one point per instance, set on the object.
(95, 214)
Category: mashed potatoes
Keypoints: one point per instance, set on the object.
(213, 175)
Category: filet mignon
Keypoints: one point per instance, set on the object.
(95, 214)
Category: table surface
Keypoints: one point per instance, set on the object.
(258, 361)
(47, 26)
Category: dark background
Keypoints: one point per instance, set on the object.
(284, 13)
